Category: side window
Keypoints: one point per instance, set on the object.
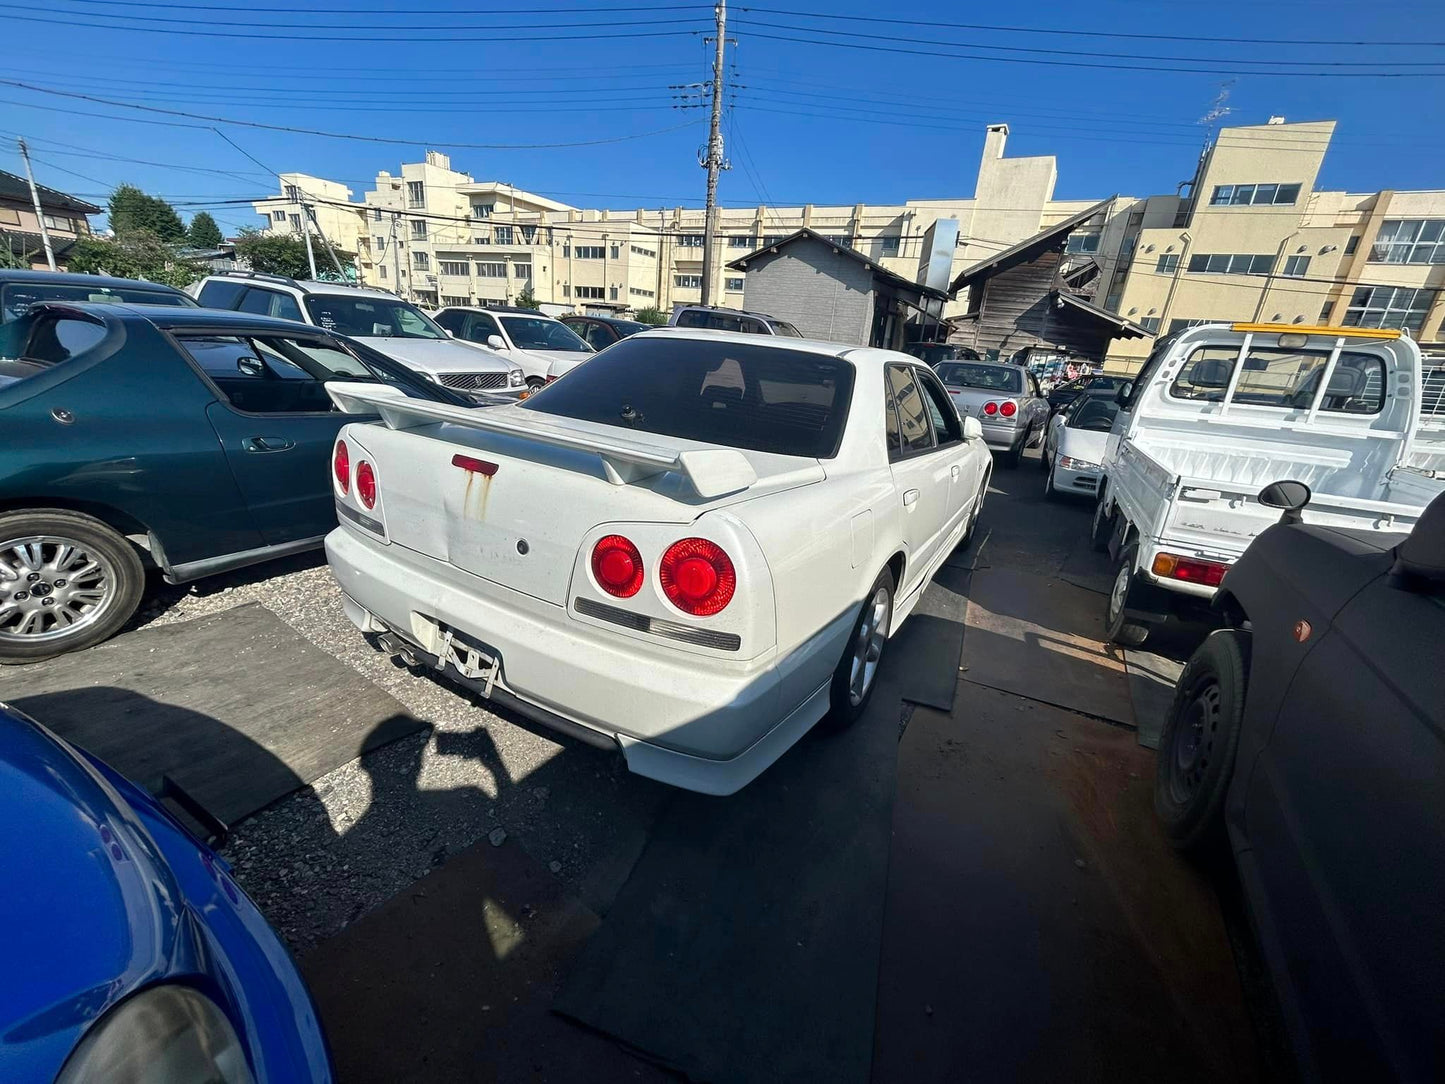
(452, 320)
(754, 327)
(890, 420)
(221, 294)
(597, 335)
(1034, 386)
(60, 339)
(284, 307)
(915, 425)
(692, 318)
(257, 301)
(479, 327)
(271, 375)
(946, 425)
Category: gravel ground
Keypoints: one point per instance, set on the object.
(320, 858)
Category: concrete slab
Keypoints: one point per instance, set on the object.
(238, 708)
(1038, 927)
(1043, 638)
(1151, 688)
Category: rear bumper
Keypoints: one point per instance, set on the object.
(693, 721)
(1003, 438)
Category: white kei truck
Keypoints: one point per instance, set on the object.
(1220, 411)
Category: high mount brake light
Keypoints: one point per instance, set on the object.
(697, 576)
(617, 566)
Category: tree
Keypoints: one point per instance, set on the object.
(139, 254)
(651, 315)
(131, 210)
(526, 299)
(285, 254)
(204, 233)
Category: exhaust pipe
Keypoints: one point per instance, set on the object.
(397, 649)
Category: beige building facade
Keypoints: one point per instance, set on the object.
(65, 217)
(1251, 238)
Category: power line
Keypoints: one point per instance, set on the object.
(1065, 63)
(312, 131)
(1058, 32)
(291, 9)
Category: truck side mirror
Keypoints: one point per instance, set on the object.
(1287, 495)
(1125, 395)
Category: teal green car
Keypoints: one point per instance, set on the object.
(184, 440)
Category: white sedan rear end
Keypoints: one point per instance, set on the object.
(692, 549)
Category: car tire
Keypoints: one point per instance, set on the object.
(1102, 529)
(1050, 493)
(856, 675)
(1012, 457)
(1118, 629)
(535, 384)
(102, 592)
(968, 533)
(1201, 734)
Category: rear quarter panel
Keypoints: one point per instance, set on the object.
(139, 443)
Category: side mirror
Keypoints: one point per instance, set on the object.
(251, 366)
(1287, 495)
(972, 429)
(1421, 557)
(496, 342)
(1125, 395)
(450, 333)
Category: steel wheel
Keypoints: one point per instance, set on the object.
(868, 646)
(1193, 745)
(52, 587)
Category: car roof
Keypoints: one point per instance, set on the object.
(178, 316)
(861, 356)
(725, 308)
(75, 278)
(496, 308)
(614, 320)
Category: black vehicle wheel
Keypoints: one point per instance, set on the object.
(857, 672)
(968, 532)
(1102, 527)
(1050, 493)
(1117, 628)
(1012, 457)
(66, 581)
(1201, 734)
(535, 383)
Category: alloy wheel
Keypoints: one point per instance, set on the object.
(50, 587)
(868, 645)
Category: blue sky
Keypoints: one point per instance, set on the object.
(873, 116)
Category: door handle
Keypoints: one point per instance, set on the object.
(262, 444)
(954, 471)
(910, 498)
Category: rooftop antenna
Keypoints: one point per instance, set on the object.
(1218, 109)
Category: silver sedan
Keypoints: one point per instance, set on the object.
(1004, 398)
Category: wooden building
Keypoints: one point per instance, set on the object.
(1037, 297)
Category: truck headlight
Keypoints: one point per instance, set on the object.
(515, 378)
(165, 1035)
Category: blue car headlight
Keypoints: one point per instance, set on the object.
(515, 378)
(165, 1035)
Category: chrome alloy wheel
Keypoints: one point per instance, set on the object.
(50, 587)
(868, 645)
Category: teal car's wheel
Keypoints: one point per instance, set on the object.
(66, 581)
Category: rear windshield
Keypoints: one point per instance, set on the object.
(1094, 412)
(17, 297)
(735, 394)
(540, 333)
(371, 317)
(963, 374)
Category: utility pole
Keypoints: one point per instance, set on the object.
(311, 212)
(396, 257)
(306, 233)
(714, 160)
(35, 202)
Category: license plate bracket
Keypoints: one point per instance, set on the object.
(471, 660)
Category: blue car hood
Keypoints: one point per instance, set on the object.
(89, 911)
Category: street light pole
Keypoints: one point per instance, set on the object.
(714, 160)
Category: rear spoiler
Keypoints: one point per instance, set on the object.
(713, 472)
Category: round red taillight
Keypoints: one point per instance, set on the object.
(1008, 410)
(341, 467)
(366, 484)
(617, 566)
(990, 409)
(697, 576)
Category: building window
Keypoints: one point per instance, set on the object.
(381, 270)
(690, 240)
(612, 293)
(482, 210)
(1388, 306)
(1326, 312)
(842, 240)
(418, 229)
(492, 270)
(293, 193)
(888, 244)
(687, 282)
(415, 194)
(481, 239)
(773, 239)
(1225, 264)
(566, 290)
(740, 241)
(376, 214)
(733, 285)
(638, 250)
(1082, 242)
(529, 234)
(1150, 324)
(420, 261)
(590, 293)
(452, 267)
(590, 252)
(1296, 267)
(638, 292)
(9, 216)
(380, 243)
(295, 223)
(616, 252)
(503, 234)
(1352, 245)
(1236, 195)
(1168, 263)
(278, 216)
(522, 270)
(452, 299)
(1410, 240)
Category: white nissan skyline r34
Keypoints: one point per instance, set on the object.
(691, 549)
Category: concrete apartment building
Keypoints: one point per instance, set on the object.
(65, 220)
(340, 221)
(1250, 238)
